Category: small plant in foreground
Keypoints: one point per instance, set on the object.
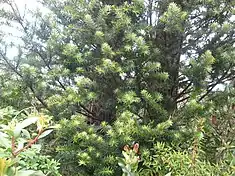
(129, 163)
(17, 139)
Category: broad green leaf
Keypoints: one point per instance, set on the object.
(4, 142)
(121, 164)
(10, 171)
(45, 133)
(3, 126)
(27, 122)
(38, 173)
(5, 166)
(2, 166)
(26, 134)
(4, 154)
(55, 126)
(3, 135)
(30, 173)
(9, 132)
(17, 131)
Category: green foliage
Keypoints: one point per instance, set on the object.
(129, 164)
(112, 72)
(32, 159)
(93, 150)
(163, 160)
(200, 69)
(174, 18)
(19, 155)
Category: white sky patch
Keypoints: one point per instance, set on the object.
(13, 34)
(29, 4)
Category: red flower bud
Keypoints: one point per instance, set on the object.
(233, 107)
(136, 148)
(126, 148)
(214, 120)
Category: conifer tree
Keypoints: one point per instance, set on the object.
(101, 66)
(93, 52)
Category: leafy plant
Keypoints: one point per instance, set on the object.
(18, 145)
(131, 159)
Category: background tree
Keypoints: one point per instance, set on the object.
(101, 59)
(128, 36)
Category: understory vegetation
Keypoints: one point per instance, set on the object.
(117, 88)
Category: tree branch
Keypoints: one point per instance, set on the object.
(183, 91)
(212, 86)
(183, 99)
(28, 85)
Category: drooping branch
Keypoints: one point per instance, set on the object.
(28, 85)
(183, 99)
(87, 113)
(183, 92)
(212, 86)
(17, 15)
(49, 67)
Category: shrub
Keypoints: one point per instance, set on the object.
(19, 153)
